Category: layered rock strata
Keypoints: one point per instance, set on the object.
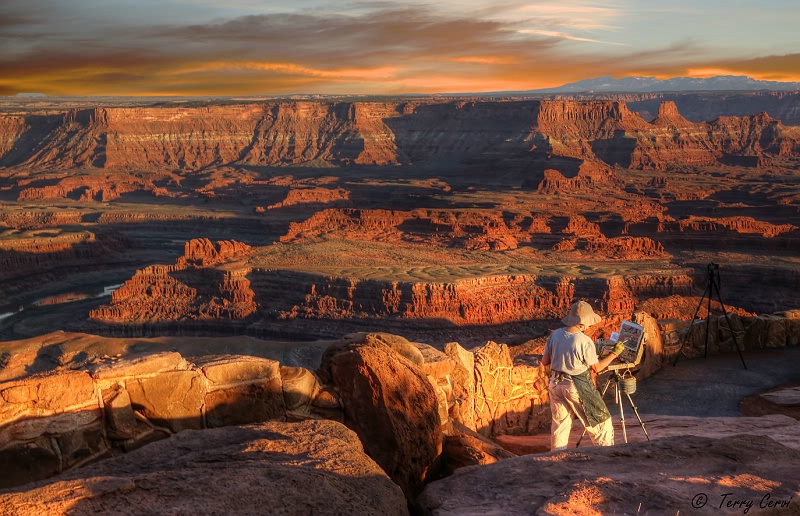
(374, 133)
(188, 294)
(55, 421)
(191, 289)
(26, 255)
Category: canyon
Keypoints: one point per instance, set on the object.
(272, 261)
(460, 214)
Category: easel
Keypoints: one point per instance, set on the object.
(622, 385)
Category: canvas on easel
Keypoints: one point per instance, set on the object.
(631, 335)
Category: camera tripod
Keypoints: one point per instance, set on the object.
(712, 286)
(622, 385)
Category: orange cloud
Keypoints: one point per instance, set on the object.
(377, 50)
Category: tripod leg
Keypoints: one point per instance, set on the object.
(635, 411)
(694, 317)
(708, 314)
(730, 326)
(618, 397)
(602, 394)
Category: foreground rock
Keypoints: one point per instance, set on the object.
(781, 400)
(676, 475)
(314, 467)
(391, 405)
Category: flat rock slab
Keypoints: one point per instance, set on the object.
(789, 397)
(313, 467)
(675, 475)
(783, 429)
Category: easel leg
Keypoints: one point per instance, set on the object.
(618, 397)
(635, 411)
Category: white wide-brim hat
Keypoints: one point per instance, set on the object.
(581, 313)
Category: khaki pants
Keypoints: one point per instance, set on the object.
(566, 404)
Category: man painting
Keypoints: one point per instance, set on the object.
(571, 356)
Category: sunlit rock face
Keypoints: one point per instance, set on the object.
(375, 133)
(274, 467)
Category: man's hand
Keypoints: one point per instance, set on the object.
(619, 347)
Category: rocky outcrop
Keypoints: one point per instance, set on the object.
(740, 225)
(56, 421)
(314, 467)
(473, 230)
(485, 230)
(509, 398)
(414, 408)
(401, 398)
(26, 220)
(91, 188)
(306, 196)
(699, 107)
(190, 289)
(391, 405)
(602, 480)
(202, 252)
(226, 293)
(623, 248)
(487, 300)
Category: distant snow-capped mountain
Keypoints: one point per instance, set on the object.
(651, 84)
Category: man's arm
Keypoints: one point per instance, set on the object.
(602, 364)
(546, 352)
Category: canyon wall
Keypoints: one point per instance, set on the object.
(198, 288)
(29, 255)
(375, 133)
(699, 107)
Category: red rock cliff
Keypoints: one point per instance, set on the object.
(375, 133)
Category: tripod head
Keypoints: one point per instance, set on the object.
(713, 274)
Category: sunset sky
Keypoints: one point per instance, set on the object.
(252, 47)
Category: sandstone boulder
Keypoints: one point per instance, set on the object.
(392, 406)
(397, 343)
(48, 422)
(242, 389)
(172, 400)
(140, 366)
(300, 388)
(462, 409)
(464, 447)
(313, 467)
(510, 398)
